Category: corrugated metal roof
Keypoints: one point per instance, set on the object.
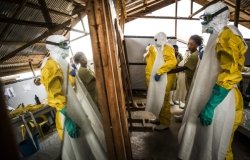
(20, 25)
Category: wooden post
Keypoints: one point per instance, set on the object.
(108, 79)
(237, 13)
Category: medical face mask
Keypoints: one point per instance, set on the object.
(61, 48)
(207, 29)
(207, 18)
(65, 53)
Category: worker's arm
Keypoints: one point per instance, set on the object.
(178, 69)
(169, 59)
(230, 53)
(52, 79)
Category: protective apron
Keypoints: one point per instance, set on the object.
(156, 90)
(206, 143)
(88, 145)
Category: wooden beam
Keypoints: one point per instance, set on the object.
(82, 23)
(79, 37)
(24, 22)
(94, 24)
(35, 6)
(154, 5)
(237, 13)
(46, 14)
(151, 6)
(231, 5)
(166, 17)
(108, 79)
(41, 37)
(78, 10)
(191, 7)
(5, 31)
(162, 17)
(202, 8)
(75, 30)
(176, 14)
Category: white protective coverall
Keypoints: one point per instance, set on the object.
(90, 144)
(213, 142)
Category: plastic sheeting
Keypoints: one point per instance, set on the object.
(90, 145)
(207, 143)
(156, 89)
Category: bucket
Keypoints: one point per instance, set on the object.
(27, 147)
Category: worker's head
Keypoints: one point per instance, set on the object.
(193, 42)
(57, 44)
(215, 17)
(80, 57)
(176, 48)
(160, 39)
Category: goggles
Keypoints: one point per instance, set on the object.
(208, 17)
(63, 44)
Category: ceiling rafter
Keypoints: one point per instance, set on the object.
(233, 6)
(41, 37)
(35, 6)
(6, 29)
(150, 7)
(46, 14)
(202, 8)
(24, 22)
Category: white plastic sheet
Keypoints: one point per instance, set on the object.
(156, 89)
(206, 143)
(90, 144)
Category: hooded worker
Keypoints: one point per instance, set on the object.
(215, 106)
(78, 143)
(52, 77)
(160, 59)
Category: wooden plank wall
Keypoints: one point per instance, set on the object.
(108, 75)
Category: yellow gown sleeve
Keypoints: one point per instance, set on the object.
(169, 59)
(52, 79)
(72, 79)
(230, 50)
(150, 58)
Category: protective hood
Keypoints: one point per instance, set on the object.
(215, 17)
(57, 46)
(160, 39)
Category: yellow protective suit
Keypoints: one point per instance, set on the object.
(230, 53)
(170, 63)
(52, 79)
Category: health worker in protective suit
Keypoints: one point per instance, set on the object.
(52, 77)
(78, 142)
(160, 59)
(215, 106)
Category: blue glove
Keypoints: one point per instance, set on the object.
(73, 71)
(201, 51)
(157, 77)
(207, 113)
(72, 128)
(73, 66)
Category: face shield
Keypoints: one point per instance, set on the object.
(57, 44)
(160, 39)
(214, 17)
